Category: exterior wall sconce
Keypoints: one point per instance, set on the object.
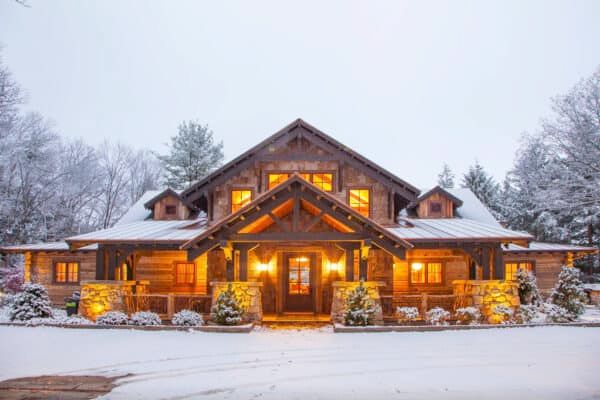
(263, 267)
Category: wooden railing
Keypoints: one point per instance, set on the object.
(168, 304)
(424, 302)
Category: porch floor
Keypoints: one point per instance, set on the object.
(295, 320)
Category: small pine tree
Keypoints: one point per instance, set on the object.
(446, 178)
(32, 302)
(227, 309)
(568, 292)
(528, 290)
(360, 307)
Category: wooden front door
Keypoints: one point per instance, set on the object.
(299, 282)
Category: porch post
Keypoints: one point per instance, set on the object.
(485, 264)
(244, 249)
(100, 263)
(229, 275)
(112, 263)
(498, 263)
(364, 257)
(349, 263)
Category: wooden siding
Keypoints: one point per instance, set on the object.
(158, 267)
(447, 207)
(160, 209)
(42, 271)
(547, 267)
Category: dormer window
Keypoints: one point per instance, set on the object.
(435, 207)
(171, 210)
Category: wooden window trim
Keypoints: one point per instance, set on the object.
(66, 261)
(521, 261)
(309, 172)
(169, 207)
(436, 203)
(184, 284)
(425, 262)
(361, 187)
(233, 189)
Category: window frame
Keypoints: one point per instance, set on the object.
(169, 207)
(194, 273)
(426, 263)
(66, 262)
(437, 204)
(361, 187)
(310, 173)
(235, 189)
(519, 262)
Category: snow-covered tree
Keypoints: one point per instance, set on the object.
(31, 302)
(568, 292)
(187, 318)
(193, 155)
(227, 310)
(483, 186)
(446, 178)
(11, 273)
(360, 308)
(528, 289)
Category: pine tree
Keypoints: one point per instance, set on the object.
(483, 186)
(193, 155)
(32, 302)
(227, 309)
(360, 307)
(568, 292)
(528, 290)
(446, 178)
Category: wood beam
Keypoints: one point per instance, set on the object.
(498, 263)
(244, 249)
(314, 221)
(485, 265)
(296, 236)
(278, 221)
(100, 264)
(112, 263)
(349, 250)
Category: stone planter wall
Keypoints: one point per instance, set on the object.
(98, 297)
(340, 293)
(248, 292)
(486, 295)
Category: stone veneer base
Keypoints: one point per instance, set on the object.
(250, 294)
(340, 290)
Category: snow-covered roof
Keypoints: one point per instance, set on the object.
(53, 246)
(137, 212)
(549, 247)
(453, 229)
(141, 231)
(472, 208)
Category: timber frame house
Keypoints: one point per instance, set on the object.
(292, 216)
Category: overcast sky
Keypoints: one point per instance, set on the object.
(410, 85)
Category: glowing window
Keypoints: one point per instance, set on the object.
(66, 272)
(299, 276)
(121, 272)
(185, 273)
(306, 177)
(434, 273)
(417, 272)
(324, 181)
(359, 200)
(510, 269)
(239, 198)
(276, 179)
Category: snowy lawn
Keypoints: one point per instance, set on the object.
(544, 362)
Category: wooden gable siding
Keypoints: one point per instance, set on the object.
(256, 178)
(546, 265)
(160, 209)
(158, 267)
(42, 272)
(447, 207)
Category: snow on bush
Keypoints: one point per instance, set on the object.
(12, 274)
(555, 313)
(145, 318)
(407, 314)
(437, 316)
(526, 314)
(360, 307)
(468, 316)
(31, 302)
(568, 292)
(112, 318)
(503, 314)
(528, 289)
(187, 318)
(227, 309)
(60, 320)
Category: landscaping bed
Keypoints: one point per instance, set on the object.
(340, 328)
(244, 328)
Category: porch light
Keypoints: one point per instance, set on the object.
(416, 266)
(333, 267)
(263, 267)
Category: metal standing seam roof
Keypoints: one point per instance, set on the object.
(453, 228)
(540, 246)
(53, 246)
(165, 231)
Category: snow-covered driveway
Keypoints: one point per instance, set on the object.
(527, 363)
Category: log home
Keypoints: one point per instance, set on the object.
(293, 222)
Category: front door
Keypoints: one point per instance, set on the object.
(299, 271)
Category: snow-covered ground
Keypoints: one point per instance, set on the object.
(541, 362)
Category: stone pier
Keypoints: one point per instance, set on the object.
(340, 293)
(249, 294)
(98, 297)
(486, 295)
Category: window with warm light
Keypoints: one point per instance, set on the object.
(323, 181)
(121, 272)
(359, 200)
(510, 269)
(185, 273)
(426, 272)
(299, 276)
(239, 198)
(276, 179)
(66, 272)
(306, 177)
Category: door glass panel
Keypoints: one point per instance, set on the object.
(299, 276)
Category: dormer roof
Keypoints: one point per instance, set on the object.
(168, 192)
(439, 190)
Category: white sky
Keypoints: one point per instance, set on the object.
(407, 84)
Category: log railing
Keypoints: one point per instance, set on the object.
(166, 305)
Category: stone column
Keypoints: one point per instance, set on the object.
(98, 297)
(340, 293)
(250, 296)
(486, 295)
